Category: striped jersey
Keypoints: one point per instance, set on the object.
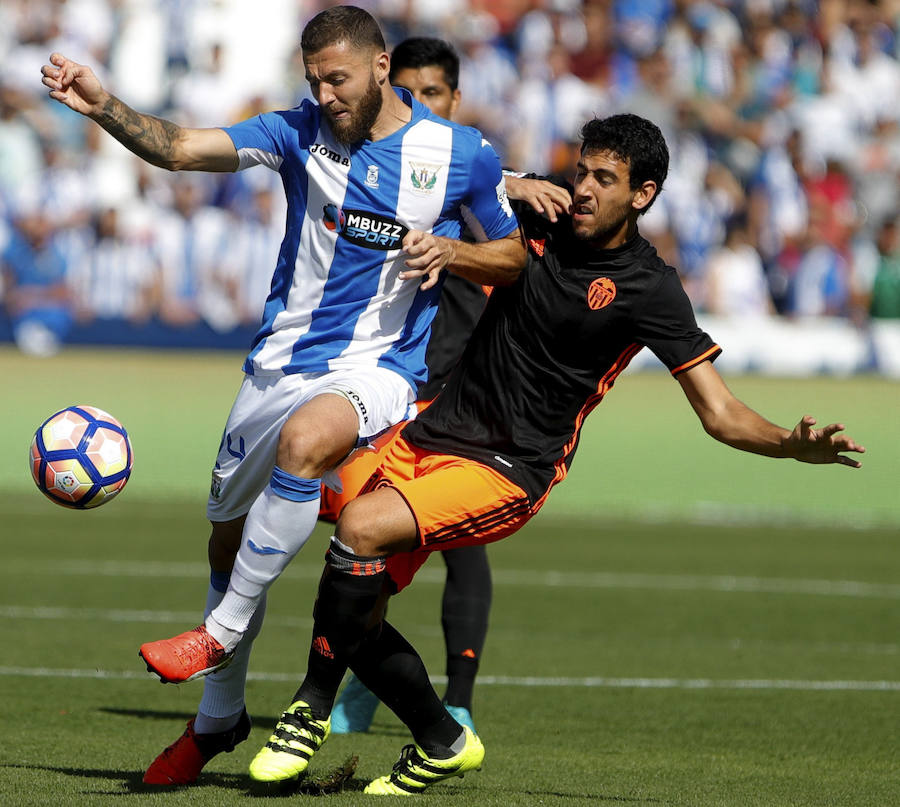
(548, 348)
(336, 301)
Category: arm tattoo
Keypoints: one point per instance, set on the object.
(152, 139)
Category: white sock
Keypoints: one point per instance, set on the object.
(276, 528)
(223, 691)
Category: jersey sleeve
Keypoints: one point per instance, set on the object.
(666, 324)
(264, 139)
(489, 214)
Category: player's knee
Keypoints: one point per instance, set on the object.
(294, 446)
(307, 452)
(358, 530)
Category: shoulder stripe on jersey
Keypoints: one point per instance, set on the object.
(715, 349)
(603, 387)
(248, 157)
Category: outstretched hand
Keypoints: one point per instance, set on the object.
(74, 85)
(821, 446)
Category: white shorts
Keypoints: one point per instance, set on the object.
(247, 452)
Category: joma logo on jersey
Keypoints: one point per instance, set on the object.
(369, 230)
(319, 148)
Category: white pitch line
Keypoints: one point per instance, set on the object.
(126, 615)
(698, 513)
(694, 683)
(522, 681)
(503, 577)
(678, 582)
(92, 615)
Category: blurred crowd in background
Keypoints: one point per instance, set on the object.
(782, 118)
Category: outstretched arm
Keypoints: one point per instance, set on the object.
(159, 142)
(734, 423)
(490, 263)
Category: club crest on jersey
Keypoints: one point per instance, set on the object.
(601, 293)
(370, 230)
(372, 176)
(423, 176)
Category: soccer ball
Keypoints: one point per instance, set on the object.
(81, 457)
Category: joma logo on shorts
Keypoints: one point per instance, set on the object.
(357, 401)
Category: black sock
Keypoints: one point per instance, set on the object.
(464, 617)
(348, 593)
(461, 673)
(389, 666)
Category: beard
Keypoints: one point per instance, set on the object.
(604, 227)
(362, 117)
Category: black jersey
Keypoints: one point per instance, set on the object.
(549, 347)
(459, 308)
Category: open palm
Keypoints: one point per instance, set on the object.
(820, 446)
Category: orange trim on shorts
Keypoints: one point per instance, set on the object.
(455, 500)
(694, 362)
(602, 388)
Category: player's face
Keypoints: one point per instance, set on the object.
(347, 85)
(429, 86)
(604, 205)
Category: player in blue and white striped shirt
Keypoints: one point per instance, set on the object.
(377, 188)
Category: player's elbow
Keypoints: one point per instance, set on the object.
(506, 276)
(508, 270)
(179, 158)
(199, 150)
(718, 433)
(171, 165)
(716, 424)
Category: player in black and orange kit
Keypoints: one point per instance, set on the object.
(429, 69)
(480, 461)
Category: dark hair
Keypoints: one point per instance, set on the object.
(347, 24)
(424, 51)
(636, 141)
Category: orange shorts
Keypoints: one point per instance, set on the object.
(455, 501)
(354, 473)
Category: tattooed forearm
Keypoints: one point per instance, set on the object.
(152, 139)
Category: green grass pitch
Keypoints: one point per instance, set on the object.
(682, 624)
